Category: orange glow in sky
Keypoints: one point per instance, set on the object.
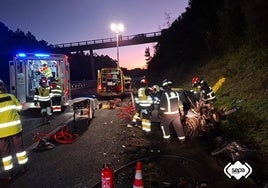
(130, 57)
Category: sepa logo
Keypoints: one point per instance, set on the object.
(237, 170)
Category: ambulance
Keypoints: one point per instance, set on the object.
(27, 69)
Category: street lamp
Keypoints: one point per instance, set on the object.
(117, 28)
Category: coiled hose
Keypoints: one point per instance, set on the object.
(62, 137)
(65, 137)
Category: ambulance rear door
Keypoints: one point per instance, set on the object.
(18, 81)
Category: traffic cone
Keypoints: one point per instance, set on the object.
(138, 182)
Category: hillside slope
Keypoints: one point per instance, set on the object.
(221, 39)
(246, 87)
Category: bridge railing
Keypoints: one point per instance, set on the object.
(105, 40)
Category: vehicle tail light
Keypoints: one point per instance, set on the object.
(119, 88)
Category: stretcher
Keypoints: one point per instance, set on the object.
(84, 107)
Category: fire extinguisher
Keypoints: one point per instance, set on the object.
(107, 176)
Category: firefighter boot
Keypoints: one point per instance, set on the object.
(148, 125)
(182, 139)
(143, 124)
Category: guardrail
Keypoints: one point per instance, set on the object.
(83, 84)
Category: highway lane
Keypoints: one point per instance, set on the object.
(32, 122)
(77, 164)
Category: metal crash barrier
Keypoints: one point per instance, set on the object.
(83, 83)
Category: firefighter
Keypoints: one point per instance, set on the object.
(43, 96)
(46, 71)
(170, 107)
(156, 93)
(206, 92)
(10, 132)
(56, 92)
(134, 97)
(144, 103)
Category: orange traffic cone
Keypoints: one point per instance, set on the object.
(138, 182)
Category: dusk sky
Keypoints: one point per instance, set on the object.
(63, 21)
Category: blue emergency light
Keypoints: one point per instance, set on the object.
(41, 55)
(21, 55)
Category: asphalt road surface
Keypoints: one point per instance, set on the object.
(164, 164)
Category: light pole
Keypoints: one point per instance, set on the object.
(117, 28)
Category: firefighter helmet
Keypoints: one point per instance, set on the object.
(43, 81)
(144, 82)
(2, 86)
(44, 63)
(195, 80)
(166, 84)
(156, 88)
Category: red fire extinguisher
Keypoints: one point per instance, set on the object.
(107, 176)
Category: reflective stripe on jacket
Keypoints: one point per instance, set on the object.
(209, 94)
(10, 123)
(56, 89)
(143, 99)
(42, 94)
(169, 102)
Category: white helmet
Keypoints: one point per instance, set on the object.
(156, 88)
(2, 86)
(44, 63)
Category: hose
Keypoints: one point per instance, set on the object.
(65, 137)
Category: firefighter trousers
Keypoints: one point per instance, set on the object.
(171, 120)
(7, 143)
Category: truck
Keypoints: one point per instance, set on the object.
(111, 82)
(25, 71)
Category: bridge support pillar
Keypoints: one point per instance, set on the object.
(92, 65)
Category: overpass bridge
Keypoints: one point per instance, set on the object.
(91, 45)
(107, 42)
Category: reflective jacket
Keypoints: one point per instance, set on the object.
(170, 102)
(10, 123)
(42, 94)
(207, 92)
(47, 71)
(144, 98)
(56, 89)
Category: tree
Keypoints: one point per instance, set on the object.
(147, 55)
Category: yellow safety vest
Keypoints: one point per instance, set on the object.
(47, 72)
(143, 99)
(141, 94)
(42, 94)
(10, 123)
